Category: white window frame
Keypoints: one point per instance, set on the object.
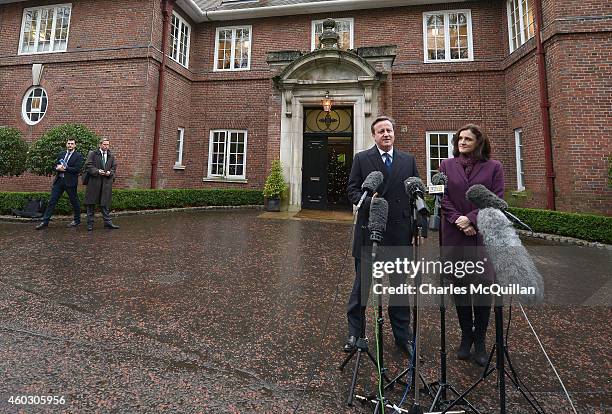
(23, 21)
(523, 35)
(225, 176)
(24, 114)
(447, 47)
(233, 50)
(177, 40)
(518, 148)
(428, 134)
(178, 164)
(313, 35)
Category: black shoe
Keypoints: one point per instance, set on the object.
(90, 227)
(42, 225)
(73, 223)
(110, 226)
(350, 343)
(481, 357)
(463, 353)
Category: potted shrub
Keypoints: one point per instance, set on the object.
(274, 187)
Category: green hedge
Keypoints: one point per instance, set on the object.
(145, 199)
(582, 226)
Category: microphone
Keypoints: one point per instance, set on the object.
(482, 197)
(438, 181)
(370, 185)
(377, 224)
(512, 263)
(415, 190)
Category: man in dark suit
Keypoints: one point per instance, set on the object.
(100, 168)
(396, 167)
(67, 167)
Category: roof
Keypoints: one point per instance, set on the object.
(208, 10)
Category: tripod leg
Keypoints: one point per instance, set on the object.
(349, 400)
(347, 359)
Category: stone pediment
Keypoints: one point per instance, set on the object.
(326, 66)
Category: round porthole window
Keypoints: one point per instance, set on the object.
(34, 105)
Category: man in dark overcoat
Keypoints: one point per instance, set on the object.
(100, 169)
(396, 167)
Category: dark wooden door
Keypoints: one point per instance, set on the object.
(314, 174)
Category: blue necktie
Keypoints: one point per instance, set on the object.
(388, 161)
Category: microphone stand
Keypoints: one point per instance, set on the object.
(416, 407)
(442, 385)
(361, 346)
(502, 356)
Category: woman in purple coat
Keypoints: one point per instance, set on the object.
(459, 230)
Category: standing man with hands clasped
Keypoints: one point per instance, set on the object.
(100, 170)
(67, 167)
(396, 167)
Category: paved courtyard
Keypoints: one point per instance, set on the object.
(229, 312)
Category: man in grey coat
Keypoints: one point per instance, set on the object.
(100, 170)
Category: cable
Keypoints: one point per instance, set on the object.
(331, 309)
(378, 353)
(515, 376)
(548, 359)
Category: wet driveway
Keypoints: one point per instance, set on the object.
(226, 312)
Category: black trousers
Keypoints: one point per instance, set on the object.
(103, 209)
(399, 308)
(56, 192)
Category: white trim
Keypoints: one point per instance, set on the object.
(428, 149)
(233, 48)
(24, 116)
(181, 140)
(447, 58)
(177, 40)
(54, 7)
(305, 8)
(518, 146)
(351, 21)
(226, 154)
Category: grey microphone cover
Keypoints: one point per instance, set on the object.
(512, 263)
(482, 197)
(379, 208)
(439, 178)
(412, 184)
(372, 181)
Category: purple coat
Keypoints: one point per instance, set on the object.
(454, 204)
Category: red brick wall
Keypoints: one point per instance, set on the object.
(108, 80)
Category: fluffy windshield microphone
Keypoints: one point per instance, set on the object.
(512, 263)
(379, 209)
(439, 178)
(415, 190)
(482, 197)
(370, 185)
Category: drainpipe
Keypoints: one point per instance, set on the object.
(167, 6)
(544, 108)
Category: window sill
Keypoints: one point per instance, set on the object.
(225, 180)
(178, 167)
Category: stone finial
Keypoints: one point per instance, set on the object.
(328, 39)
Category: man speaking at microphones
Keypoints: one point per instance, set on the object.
(396, 166)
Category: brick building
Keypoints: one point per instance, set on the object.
(242, 84)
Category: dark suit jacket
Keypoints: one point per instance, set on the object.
(71, 175)
(399, 230)
(454, 204)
